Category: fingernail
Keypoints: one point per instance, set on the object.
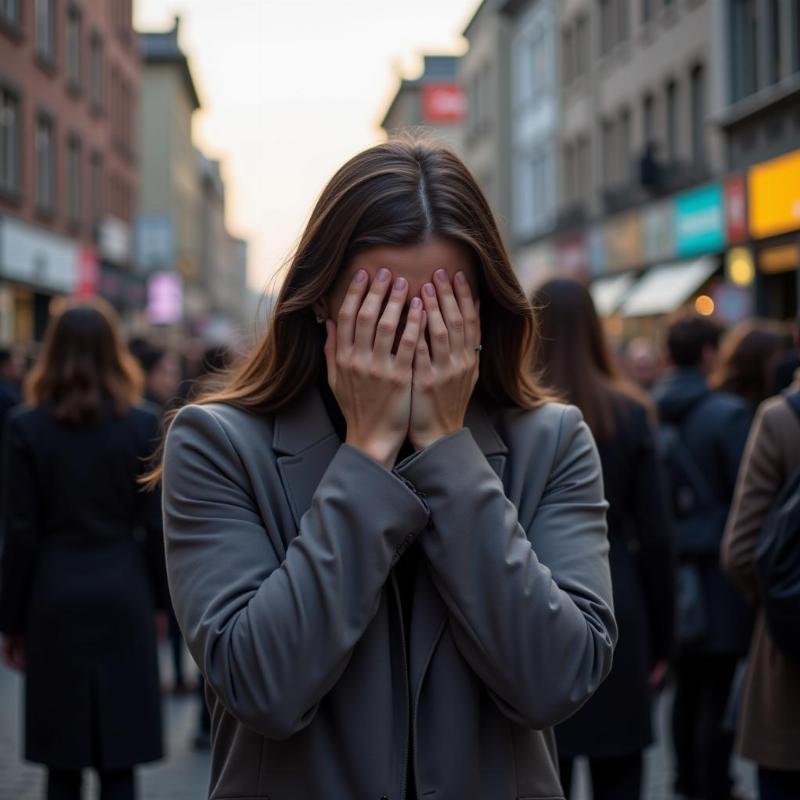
(360, 276)
(383, 274)
(460, 279)
(441, 275)
(416, 303)
(400, 283)
(430, 290)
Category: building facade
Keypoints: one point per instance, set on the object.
(69, 157)
(485, 74)
(431, 104)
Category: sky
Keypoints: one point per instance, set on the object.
(290, 89)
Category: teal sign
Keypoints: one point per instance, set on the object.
(700, 221)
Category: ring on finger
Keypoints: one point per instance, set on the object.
(478, 348)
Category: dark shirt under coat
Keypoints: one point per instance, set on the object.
(616, 720)
(82, 576)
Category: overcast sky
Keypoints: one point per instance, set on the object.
(292, 88)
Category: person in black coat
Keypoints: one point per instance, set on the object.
(614, 727)
(712, 428)
(82, 568)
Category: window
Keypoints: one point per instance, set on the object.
(569, 174)
(45, 164)
(649, 119)
(74, 180)
(96, 187)
(623, 23)
(606, 26)
(9, 12)
(583, 168)
(744, 30)
(582, 45)
(567, 64)
(624, 146)
(45, 29)
(698, 100)
(74, 47)
(647, 10)
(9, 141)
(672, 122)
(96, 83)
(608, 153)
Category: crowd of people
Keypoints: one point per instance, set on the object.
(696, 443)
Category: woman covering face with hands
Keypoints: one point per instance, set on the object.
(386, 545)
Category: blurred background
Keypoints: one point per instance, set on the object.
(165, 156)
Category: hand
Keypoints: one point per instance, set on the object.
(14, 652)
(371, 384)
(445, 373)
(162, 626)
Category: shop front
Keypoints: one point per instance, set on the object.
(35, 266)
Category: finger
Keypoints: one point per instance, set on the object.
(330, 349)
(422, 355)
(346, 318)
(387, 325)
(367, 317)
(450, 310)
(440, 339)
(469, 313)
(412, 333)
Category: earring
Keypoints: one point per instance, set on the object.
(320, 319)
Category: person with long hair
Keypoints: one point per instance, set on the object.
(749, 356)
(614, 727)
(386, 547)
(83, 581)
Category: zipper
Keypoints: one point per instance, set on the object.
(409, 726)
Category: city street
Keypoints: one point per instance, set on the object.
(182, 776)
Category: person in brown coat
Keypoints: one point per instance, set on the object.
(769, 726)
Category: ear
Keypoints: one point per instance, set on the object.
(320, 307)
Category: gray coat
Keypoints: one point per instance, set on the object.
(280, 546)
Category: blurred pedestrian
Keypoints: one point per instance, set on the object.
(387, 549)
(614, 727)
(643, 362)
(162, 380)
(702, 437)
(789, 363)
(769, 725)
(82, 568)
(748, 357)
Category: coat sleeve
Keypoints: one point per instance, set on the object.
(654, 537)
(272, 638)
(530, 610)
(21, 524)
(758, 486)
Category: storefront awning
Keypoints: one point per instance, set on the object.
(609, 292)
(662, 289)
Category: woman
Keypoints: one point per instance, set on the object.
(748, 359)
(614, 728)
(769, 723)
(82, 567)
(388, 556)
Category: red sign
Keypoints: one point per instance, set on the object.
(736, 209)
(88, 273)
(443, 103)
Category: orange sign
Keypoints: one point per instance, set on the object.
(774, 196)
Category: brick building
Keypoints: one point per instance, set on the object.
(69, 86)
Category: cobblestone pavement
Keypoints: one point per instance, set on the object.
(183, 774)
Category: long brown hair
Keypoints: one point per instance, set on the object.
(398, 193)
(573, 357)
(84, 369)
(747, 359)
